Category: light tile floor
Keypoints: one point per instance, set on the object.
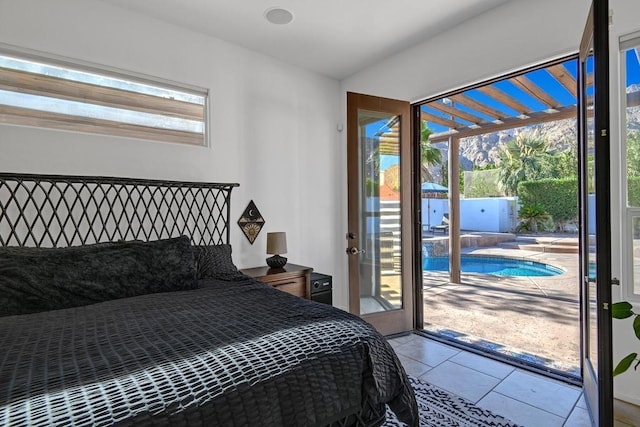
(523, 397)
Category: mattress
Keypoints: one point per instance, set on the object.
(230, 353)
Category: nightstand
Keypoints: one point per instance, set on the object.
(292, 278)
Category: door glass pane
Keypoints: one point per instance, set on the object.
(631, 60)
(636, 254)
(379, 234)
(590, 291)
(632, 89)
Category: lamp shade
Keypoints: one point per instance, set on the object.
(277, 243)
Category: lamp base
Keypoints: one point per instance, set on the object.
(276, 261)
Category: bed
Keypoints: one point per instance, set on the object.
(120, 305)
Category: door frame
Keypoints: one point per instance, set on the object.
(401, 320)
(598, 383)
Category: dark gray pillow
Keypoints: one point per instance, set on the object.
(215, 262)
(41, 279)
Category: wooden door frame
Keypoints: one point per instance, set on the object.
(385, 322)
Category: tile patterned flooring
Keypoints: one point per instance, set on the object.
(523, 397)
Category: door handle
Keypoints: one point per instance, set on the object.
(355, 251)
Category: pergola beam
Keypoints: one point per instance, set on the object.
(535, 91)
(441, 120)
(475, 105)
(633, 100)
(510, 123)
(455, 112)
(564, 77)
(504, 98)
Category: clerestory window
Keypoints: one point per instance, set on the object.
(52, 93)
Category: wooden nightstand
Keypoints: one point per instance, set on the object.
(294, 279)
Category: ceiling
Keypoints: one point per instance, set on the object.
(335, 38)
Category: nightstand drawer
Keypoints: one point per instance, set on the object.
(293, 279)
(296, 287)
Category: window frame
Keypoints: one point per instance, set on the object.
(628, 284)
(104, 96)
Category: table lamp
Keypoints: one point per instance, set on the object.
(276, 245)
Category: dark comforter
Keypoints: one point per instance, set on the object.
(229, 353)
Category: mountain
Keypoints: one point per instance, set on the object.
(484, 149)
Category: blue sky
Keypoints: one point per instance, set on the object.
(540, 77)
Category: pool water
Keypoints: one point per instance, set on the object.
(492, 265)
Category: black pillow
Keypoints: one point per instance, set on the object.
(215, 262)
(41, 279)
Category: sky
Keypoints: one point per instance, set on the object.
(541, 77)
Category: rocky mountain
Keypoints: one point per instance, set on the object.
(484, 149)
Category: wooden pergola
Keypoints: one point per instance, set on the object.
(495, 119)
(465, 115)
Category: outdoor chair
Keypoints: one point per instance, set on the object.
(444, 226)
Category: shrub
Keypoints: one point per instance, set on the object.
(482, 183)
(532, 217)
(372, 187)
(558, 197)
(633, 184)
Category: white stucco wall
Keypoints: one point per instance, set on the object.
(486, 214)
(273, 126)
(433, 211)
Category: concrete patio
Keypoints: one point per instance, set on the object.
(532, 318)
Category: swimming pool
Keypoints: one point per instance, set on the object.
(492, 265)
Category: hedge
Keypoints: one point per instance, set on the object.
(559, 197)
(633, 183)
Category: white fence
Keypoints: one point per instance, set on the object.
(492, 214)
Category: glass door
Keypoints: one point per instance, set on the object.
(595, 212)
(379, 208)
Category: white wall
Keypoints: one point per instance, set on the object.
(273, 126)
(491, 214)
(433, 211)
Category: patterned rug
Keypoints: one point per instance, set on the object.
(439, 408)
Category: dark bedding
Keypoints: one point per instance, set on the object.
(226, 354)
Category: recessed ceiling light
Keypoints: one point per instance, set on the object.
(278, 16)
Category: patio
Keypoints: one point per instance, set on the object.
(535, 319)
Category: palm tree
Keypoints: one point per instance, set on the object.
(520, 160)
(429, 155)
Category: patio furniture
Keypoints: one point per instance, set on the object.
(444, 226)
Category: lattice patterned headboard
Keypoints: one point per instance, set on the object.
(58, 211)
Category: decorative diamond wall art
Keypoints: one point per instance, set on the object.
(251, 222)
